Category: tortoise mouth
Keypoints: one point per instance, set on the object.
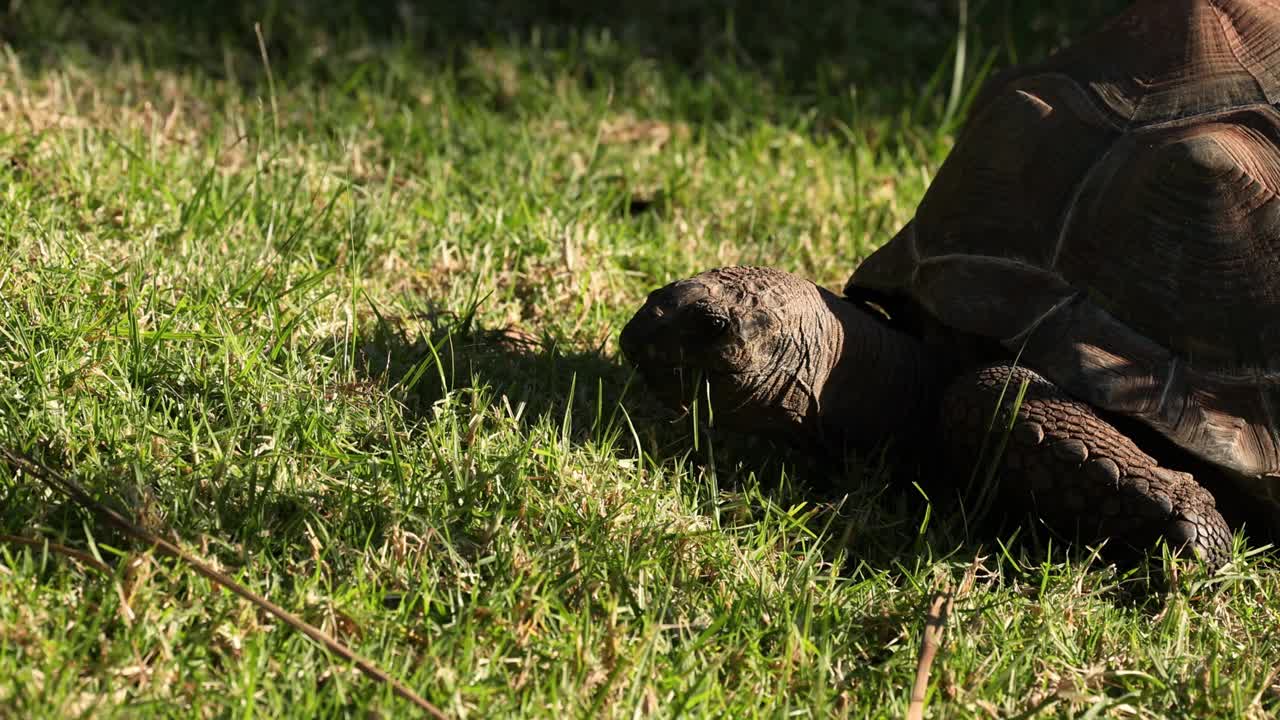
(678, 388)
(674, 386)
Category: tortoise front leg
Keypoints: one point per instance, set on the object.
(1075, 471)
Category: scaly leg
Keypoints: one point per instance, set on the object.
(1074, 470)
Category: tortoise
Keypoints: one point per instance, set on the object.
(1091, 282)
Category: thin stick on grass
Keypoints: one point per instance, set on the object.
(935, 624)
(83, 558)
(65, 486)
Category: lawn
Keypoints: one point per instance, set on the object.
(332, 296)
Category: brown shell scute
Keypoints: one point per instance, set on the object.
(1165, 60)
(998, 169)
(1104, 362)
(1003, 190)
(1180, 238)
(1113, 214)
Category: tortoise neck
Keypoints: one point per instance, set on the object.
(882, 381)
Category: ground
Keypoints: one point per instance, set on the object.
(335, 301)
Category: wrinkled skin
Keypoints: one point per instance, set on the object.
(781, 356)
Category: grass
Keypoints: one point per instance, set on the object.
(339, 311)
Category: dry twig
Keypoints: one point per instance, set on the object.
(64, 485)
(83, 558)
(935, 624)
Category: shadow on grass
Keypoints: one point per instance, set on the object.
(885, 58)
(874, 514)
(881, 511)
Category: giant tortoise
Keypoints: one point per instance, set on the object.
(1091, 283)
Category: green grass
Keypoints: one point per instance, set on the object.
(348, 327)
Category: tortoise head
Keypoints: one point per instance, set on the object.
(757, 343)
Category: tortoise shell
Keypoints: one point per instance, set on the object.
(1111, 215)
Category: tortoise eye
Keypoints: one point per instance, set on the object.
(706, 323)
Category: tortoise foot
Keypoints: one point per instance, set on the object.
(1073, 470)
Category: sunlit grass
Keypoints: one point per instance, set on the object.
(352, 333)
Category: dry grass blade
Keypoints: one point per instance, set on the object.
(81, 557)
(60, 483)
(936, 622)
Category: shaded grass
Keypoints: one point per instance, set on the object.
(352, 333)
